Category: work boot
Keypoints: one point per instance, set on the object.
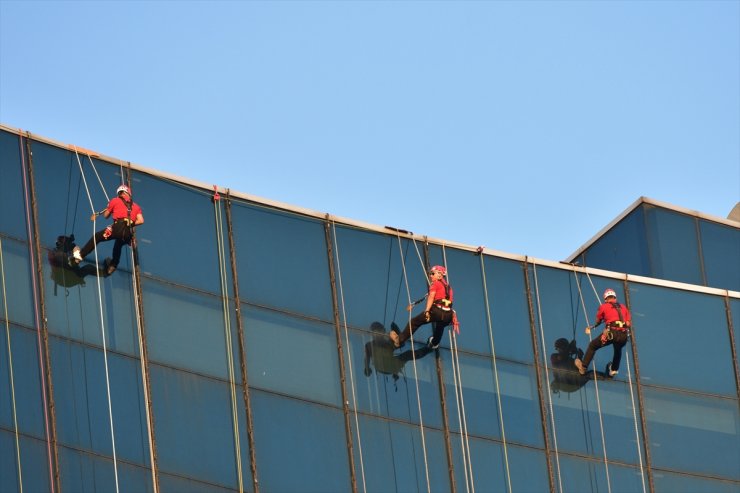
(394, 338)
(579, 365)
(430, 344)
(609, 371)
(76, 255)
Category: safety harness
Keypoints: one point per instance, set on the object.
(444, 303)
(618, 325)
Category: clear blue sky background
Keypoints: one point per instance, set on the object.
(522, 126)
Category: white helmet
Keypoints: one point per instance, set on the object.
(123, 188)
(609, 292)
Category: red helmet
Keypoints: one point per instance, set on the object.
(609, 292)
(438, 268)
(123, 188)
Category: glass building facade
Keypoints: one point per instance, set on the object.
(242, 346)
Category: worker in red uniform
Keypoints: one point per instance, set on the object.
(126, 215)
(617, 332)
(438, 311)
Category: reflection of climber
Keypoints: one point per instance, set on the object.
(379, 351)
(566, 374)
(617, 332)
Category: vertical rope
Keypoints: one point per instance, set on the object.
(227, 336)
(495, 373)
(102, 320)
(10, 366)
(349, 355)
(416, 374)
(547, 376)
(47, 389)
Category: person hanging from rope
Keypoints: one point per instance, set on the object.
(438, 311)
(617, 332)
(126, 215)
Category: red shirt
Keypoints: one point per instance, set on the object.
(437, 291)
(609, 314)
(117, 208)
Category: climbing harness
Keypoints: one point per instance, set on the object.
(349, 354)
(16, 432)
(227, 331)
(495, 372)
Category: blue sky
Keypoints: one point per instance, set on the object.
(522, 126)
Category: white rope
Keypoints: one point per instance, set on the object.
(102, 321)
(97, 175)
(632, 397)
(547, 376)
(596, 384)
(10, 365)
(416, 375)
(227, 337)
(460, 400)
(495, 374)
(349, 355)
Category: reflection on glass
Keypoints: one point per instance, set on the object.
(673, 246)
(592, 476)
(34, 463)
(11, 187)
(17, 278)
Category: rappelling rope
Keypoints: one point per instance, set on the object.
(102, 320)
(413, 355)
(459, 399)
(547, 376)
(495, 373)
(349, 355)
(596, 384)
(632, 397)
(227, 334)
(10, 366)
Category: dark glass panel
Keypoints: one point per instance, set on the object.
(12, 196)
(282, 260)
(692, 433)
(673, 246)
(194, 411)
(16, 271)
(26, 380)
(593, 476)
(623, 248)
(720, 248)
(735, 314)
(683, 483)
(672, 327)
(371, 273)
(85, 472)
(179, 484)
(522, 421)
(34, 473)
(185, 328)
(292, 356)
(308, 437)
(82, 408)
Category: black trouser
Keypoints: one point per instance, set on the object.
(618, 339)
(437, 316)
(121, 232)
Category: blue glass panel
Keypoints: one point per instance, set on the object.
(670, 325)
(522, 421)
(34, 473)
(720, 247)
(735, 313)
(26, 379)
(185, 328)
(184, 485)
(623, 248)
(393, 459)
(370, 274)
(82, 412)
(673, 246)
(683, 483)
(314, 445)
(16, 271)
(85, 472)
(592, 476)
(292, 356)
(11, 187)
(78, 311)
(189, 411)
(507, 298)
(182, 249)
(282, 261)
(692, 433)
